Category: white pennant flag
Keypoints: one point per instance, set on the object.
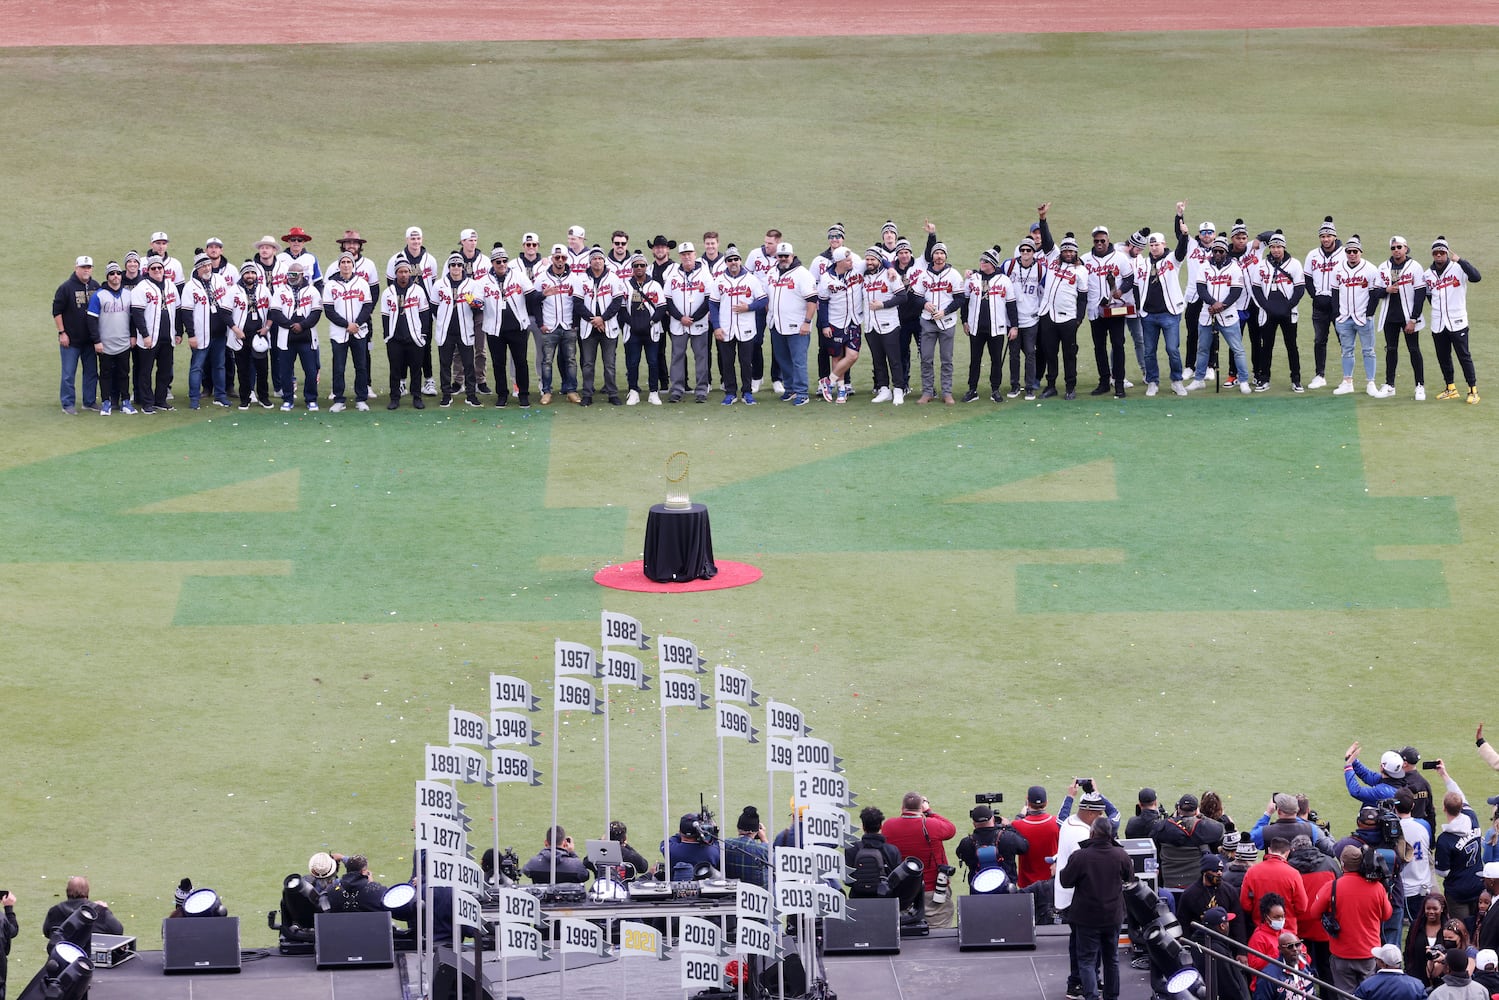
(824, 824)
(512, 766)
(734, 721)
(440, 835)
(673, 653)
(574, 694)
(455, 872)
(456, 764)
(752, 902)
(518, 906)
(702, 972)
(831, 903)
(466, 727)
(620, 668)
(755, 937)
(794, 864)
(581, 936)
(574, 659)
(734, 685)
(822, 788)
(778, 754)
(637, 940)
(621, 630)
(784, 720)
(681, 690)
(812, 754)
(698, 935)
(512, 729)
(470, 912)
(520, 940)
(511, 692)
(796, 897)
(433, 798)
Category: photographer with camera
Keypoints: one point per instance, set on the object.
(747, 856)
(918, 832)
(1282, 818)
(992, 845)
(1181, 841)
(1378, 830)
(692, 846)
(1353, 908)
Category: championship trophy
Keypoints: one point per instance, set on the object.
(676, 484)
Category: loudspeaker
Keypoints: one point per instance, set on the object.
(445, 979)
(353, 939)
(200, 944)
(998, 920)
(872, 927)
(789, 969)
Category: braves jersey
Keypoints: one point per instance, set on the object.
(1355, 287)
(1220, 283)
(940, 289)
(505, 290)
(1062, 285)
(790, 290)
(303, 306)
(1167, 271)
(1405, 284)
(1026, 283)
(643, 309)
(424, 266)
(841, 298)
(267, 267)
(883, 292)
(1319, 268)
(687, 298)
(454, 302)
(621, 269)
(1447, 291)
(347, 302)
(410, 303)
(1249, 265)
(1106, 276)
(760, 262)
(1197, 257)
(728, 291)
(247, 306)
(1278, 279)
(992, 295)
(152, 307)
(195, 306)
(556, 299)
(598, 297)
(310, 267)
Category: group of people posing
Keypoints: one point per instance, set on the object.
(254, 324)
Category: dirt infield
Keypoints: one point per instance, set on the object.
(232, 22)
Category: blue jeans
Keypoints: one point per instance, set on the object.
(1097, 945)
(309, 358)
(218, 359)
(71, 356)
(1152, 327)
(1231, 336)
(790, 353)
(195, 366)
(1348, 332)
(1135, 326)
(554, 340)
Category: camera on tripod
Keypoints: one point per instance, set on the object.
(704, 828)
(988, 798)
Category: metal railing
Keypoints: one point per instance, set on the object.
(1328, 990)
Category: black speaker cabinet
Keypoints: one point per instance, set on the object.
(997, 921)
(872, 927)
(356, 940)
(200, 944)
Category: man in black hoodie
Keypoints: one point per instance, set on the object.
(1097, 873)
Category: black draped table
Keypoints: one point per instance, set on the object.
(679, 544)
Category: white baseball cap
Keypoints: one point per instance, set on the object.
(1391, 763)
(1487, 959)
(159, 236)
(467, 234)
(414, 231)
(213, 241)
(530, 238)
(84, 261)
(267, 241)
(559, 248)
(686, 247)
(576, 231)
(841, 253)
(783, 248)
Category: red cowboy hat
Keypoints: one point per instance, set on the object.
(298, 232)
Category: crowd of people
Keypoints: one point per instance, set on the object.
(252, 327)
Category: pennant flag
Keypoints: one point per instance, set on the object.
(574, 659)
(440, 835)
(677, 689)
(822, 788)
(734, 721)
(622, 669)
(831, 903)
(520, 941)
(470, 913)
(824, 824)
(433, 798)
(517, 906)
(511, 692)
(784, 720)
(454, 872)
(456, 764)
(512, 729)
(829, 863)
(702, 972)
(752, 902)
(812, 754)
(678, 654)
(734, 685)
(698, 935)
(778, 754)
(509, 766)
(755, 937)
(637, 940)
(794, 864)
(796, 897)
(580, 935)
(621, 630)
(466, 727)
(574, 694)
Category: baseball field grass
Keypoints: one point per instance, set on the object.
(228, 635)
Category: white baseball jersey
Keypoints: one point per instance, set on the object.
(303, 306)
(1283, 278)
(760, 263)
(1223, 283)
(598, 294)
(153, 301)
(310, 267)
(790, 291)
(1026, 282)
(1447, 291)
(938, 287)
(1402, 282)
(1197, 256)
(424, 265)
(1105, 272)
(410, 303)
(729, 291)
(993, 296)
(238, 302)
(556, 298)
(347, 298)
(844, 294)
(1167, 271)
(1319, 266)
(1060, 286)
(688, 292)
(880, 286)
(505, 290)
(197, 301)
(1353, 286)
(450, 301)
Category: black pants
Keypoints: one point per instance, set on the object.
(1063, 335)
(1447, 342)
(884, 356)
(1261, 347)
(515, 343)
(146, 359)
(405, 360)
(731, 352)
(642, 344)
(1392, 332)
(357, 348)
(426, 350)
(910, 333)
(1287, 327)
(1109, 330)
(757, 350)
(978, 344)
(253, 372)
(1189, 356)
(1321, 328)
(114, 377)
(455, 345)
(1023, 347)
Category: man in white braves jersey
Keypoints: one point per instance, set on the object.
(1356, 283)
(1064, 300)
(789, 315)
(1197, 257)
(195, 314)
(619, 255)
(424, 273)
(1110, 278)
(941, 289)
(642, 316)
(353, 244)
(296, 308)
(552, 307)
(507, 325)
(153, 307)
(819, 266)
(840, 303)
(760, 262)
(1447, 281)
(1220, 287)
(1280, 287)
(884, 293)
(476, 266)
(1321, 262)
(171, 266)
(457, 312)
(577, 249)
(597, 298)
(349, 306)
(991, 321)
(1404, 282)
(738, 298)
(406, 325)
(686, 285)
(1025, 271)
(1161, 306)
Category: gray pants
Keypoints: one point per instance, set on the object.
(590, 347)
(1347, 973)
(700, 351)
(931, 339)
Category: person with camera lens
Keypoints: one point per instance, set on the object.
(692, 846)
(1182, 839)
(1353, 908)
(918, 832)
(991, 846)
(556, 861)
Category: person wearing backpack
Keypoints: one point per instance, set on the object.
(991, 845)
(872, 859)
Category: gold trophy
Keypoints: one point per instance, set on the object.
(676, 484)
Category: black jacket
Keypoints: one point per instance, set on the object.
(105, 922)
(570, 867)
(1008, 842)
(356, 893)
(1097, 873)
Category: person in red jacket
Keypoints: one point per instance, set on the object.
(1033, 868)
(1361, 906)
(1274, 874)
(1317, 871)
(918, 833)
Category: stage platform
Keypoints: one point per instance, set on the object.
(925, 967)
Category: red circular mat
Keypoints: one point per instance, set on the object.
(631, 576)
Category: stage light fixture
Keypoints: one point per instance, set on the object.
(401, 901)
(204, 903)
(989, 881)
(905, 882)
(78, 929)
(1185, 983)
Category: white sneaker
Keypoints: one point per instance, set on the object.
(1420, 393)
(1128, 384)
(362, 406)
(1317, 382)
(897, 397)
(254, 398)
(1194, 385)
(1209, 375)
(285, 407)
(755, 385)
(1378, 391)
(655, 399)
(170, 397)
(1178, 388)
(371, 393)
(883, 396)
(429, 387)
(1387, 390)
(330, 393)
(336, 408)
(1246, 386)
(312, 405)
(1151, 389)
(1188, 375)
(404, 390)
(632, 398)
(778, 387)
(1345, 387)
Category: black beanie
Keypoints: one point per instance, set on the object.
(749, 820)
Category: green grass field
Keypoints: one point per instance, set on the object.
(228, 636)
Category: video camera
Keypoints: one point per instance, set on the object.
(704, 827)
(989, 798)
(1389, 823)
(508, 866)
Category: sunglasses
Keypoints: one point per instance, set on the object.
(621, 243)
(531, 243)
(783, 256)
(296, 241)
